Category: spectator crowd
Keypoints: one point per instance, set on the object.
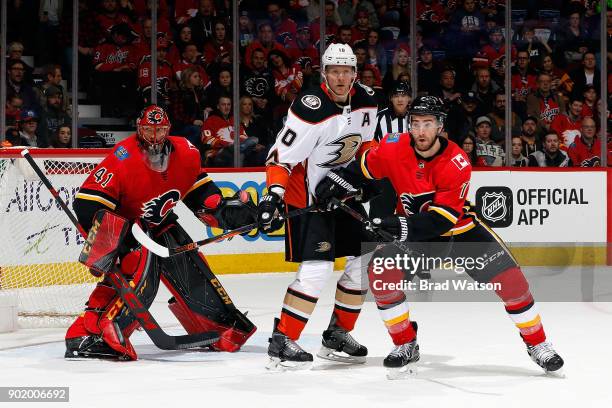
(460, 47)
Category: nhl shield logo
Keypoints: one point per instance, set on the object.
(494, 206)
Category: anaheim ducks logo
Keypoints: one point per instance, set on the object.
(347, 147)
(415, 203)
(156, 209)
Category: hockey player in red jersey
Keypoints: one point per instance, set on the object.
(431, 177)
(326, 128)
(142, 180)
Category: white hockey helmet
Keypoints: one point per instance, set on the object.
(339, 54)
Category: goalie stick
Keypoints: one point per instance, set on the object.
(160, 338)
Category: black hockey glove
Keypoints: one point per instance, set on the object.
(230, 212)
(267, 211)
(336, 184)
(369, 191)
(396, 225)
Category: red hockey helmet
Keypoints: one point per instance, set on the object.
(153, 128)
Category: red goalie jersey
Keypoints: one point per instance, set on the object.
(436, 187)
(127, 186)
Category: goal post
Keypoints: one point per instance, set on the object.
(40, 246)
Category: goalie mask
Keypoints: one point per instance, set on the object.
(153, 128)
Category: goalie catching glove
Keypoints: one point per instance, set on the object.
(228, 213)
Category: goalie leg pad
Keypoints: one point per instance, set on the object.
(200, 302)
(107, 323)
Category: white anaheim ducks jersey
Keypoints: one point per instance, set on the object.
(319, 135)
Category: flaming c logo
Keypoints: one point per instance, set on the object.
(156, 209)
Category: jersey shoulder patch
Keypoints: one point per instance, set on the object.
(366, 88)
(313, 106)
(363, 97)
(392, 137)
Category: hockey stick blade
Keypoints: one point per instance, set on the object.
(160, 338)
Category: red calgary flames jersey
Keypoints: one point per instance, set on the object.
(439, 183)
(127, 186)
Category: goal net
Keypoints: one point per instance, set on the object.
(40, 246)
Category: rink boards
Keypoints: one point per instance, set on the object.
(546, 217)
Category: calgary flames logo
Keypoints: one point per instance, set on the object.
(155, 210)
(155, 116)
(415, 203)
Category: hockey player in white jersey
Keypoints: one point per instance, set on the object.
(326, 128)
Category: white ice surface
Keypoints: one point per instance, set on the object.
(472, 356)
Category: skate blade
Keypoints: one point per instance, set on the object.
(277, 365)
(408, 371)
(333, 355)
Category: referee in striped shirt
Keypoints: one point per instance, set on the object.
(392, 119)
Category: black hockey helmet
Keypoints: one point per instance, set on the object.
(428, 105)
(401, 87)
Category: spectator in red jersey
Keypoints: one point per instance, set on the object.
(279, 20)
(568, 125)
(109, 15)
(288, 79)
(561, 81)
(431, 16)
(489, 153)
(344, 35)
(303, 47)
(265, 41)
(62, 137)
(188, 105)
(589, 102)
(517, 159)
(585, 151)
(191, 58)
(550, 155)
(202, 24)
(400, 64)
(143, 8)
(331, 22)
(495, 52)
(185, 10)
(115, 71)
(218, 135)
(165, 75)
(142, 44)
(361, 27)
(218, 49)
(544, 104)
(523, 82)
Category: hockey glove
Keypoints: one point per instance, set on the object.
(334, 185)
(369, 191)
(396, 225)
(267, 210)
(229, 213)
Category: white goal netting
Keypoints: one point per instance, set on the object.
(40, 246)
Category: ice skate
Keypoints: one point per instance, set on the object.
(88, 347)
(546, 357)
(286, 354)
(339, 345)
(401, 361)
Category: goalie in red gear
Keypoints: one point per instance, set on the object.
(144, 177)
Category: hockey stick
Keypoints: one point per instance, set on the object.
(136, 307)
(166, 252)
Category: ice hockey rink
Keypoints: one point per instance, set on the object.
(472, 356)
